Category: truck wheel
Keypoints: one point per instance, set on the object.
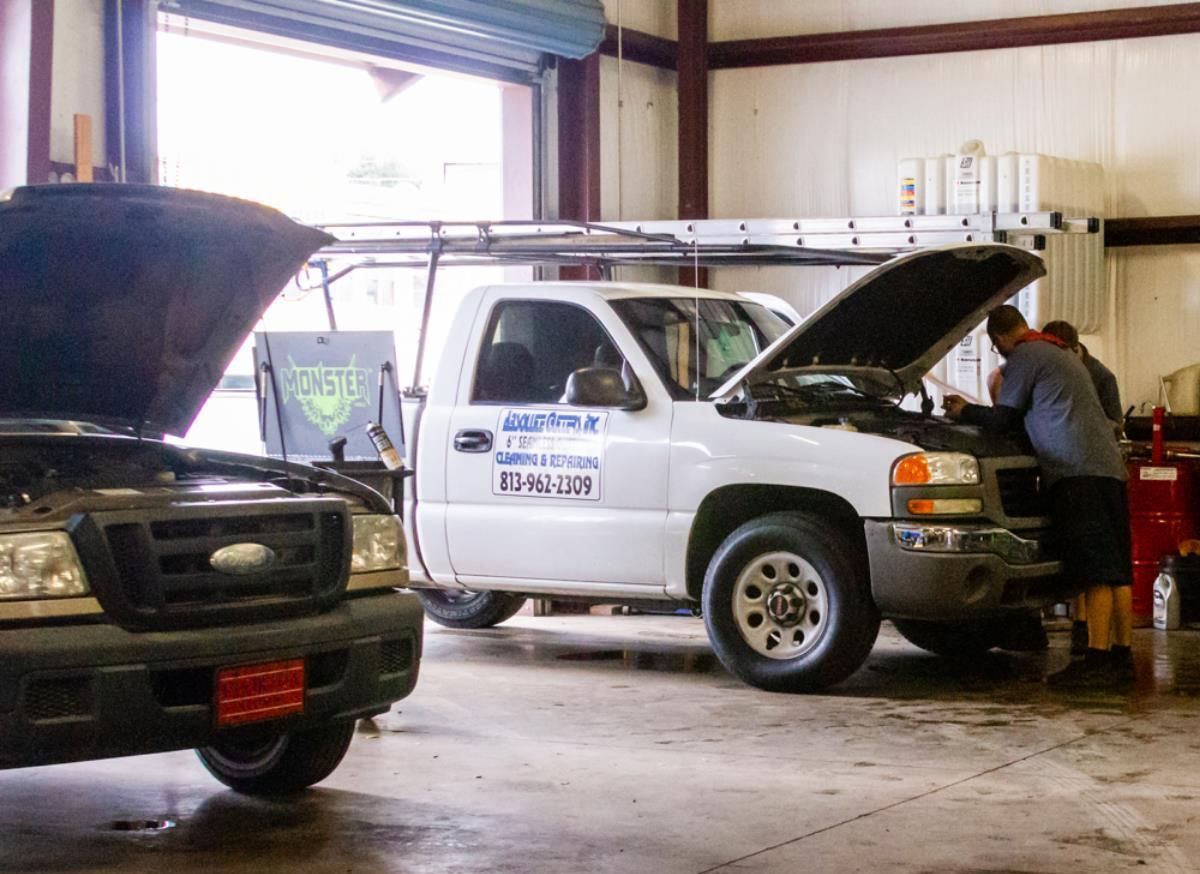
(276, 764)
(459, 609)
(965, 638)
(787, 604)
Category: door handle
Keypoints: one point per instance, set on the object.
(473, 441)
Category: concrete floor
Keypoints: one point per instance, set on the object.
(617, 744)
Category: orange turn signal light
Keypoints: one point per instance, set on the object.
(912, 471)
(944, 506)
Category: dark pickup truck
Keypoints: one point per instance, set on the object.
(155, 597)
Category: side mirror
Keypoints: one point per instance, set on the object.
(602, 387)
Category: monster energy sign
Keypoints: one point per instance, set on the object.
(327, 394)
(319, 387)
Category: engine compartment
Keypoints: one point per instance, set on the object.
(51, 470)
(885, 419)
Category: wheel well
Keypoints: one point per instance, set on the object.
(729, 507)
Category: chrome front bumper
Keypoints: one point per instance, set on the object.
(951, 571)
(922, 537)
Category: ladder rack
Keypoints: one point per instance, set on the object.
(850, 240)
(714, 242)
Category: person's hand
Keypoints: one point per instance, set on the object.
(954, 405)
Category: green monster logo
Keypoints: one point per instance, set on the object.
(326, 394)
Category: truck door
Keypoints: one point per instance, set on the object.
(540, 490)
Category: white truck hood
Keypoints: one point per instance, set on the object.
(899, 320)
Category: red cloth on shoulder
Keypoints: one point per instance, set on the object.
(1038, 336)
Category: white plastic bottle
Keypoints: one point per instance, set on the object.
(1167, 606)
(910, 173)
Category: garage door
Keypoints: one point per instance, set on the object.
(500, 39)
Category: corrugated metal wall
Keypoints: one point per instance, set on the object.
(823, 139)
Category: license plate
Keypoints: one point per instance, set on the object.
(255, 693)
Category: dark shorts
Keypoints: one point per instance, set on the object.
(1091, 515)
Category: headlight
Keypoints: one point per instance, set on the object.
(41, 565)
(936, 469)
(378, 544)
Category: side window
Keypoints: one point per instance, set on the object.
(532, 346)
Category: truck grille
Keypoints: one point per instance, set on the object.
(162, 574)
(1021, 492)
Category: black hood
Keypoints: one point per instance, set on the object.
(125, 303)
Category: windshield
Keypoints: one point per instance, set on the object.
(715, 343)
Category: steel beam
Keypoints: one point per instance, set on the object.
(965, 36)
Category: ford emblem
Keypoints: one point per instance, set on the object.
(242, 558)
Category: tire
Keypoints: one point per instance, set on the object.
(457, 609)
(256, 763)
(787, 604)
(963, 639)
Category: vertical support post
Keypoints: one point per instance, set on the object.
(427, 310)
(579, 145)
(41, 61)
(327, 292)
(26, 55)
(693, 120)
(129, 123)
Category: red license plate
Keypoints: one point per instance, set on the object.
(254, 693)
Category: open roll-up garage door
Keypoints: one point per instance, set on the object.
(500, 39)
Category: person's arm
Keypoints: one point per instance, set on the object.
(995, 381)
(1014, 393)
(997, 418)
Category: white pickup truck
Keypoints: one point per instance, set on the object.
(627, 443)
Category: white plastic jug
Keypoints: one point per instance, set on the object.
(910, 179)
(1167, 606)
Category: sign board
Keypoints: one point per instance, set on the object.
(549, 454)
(316, 387)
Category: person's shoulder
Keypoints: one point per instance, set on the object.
(1096, 366)
(1035, 353)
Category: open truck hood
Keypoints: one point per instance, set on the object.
(125, 303)
(900, 319)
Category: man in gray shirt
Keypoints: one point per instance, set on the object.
(1048, 390)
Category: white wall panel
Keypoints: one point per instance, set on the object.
(657, 17)
(1158, 316)
(824, 139)
(77, 78)
(639, 138)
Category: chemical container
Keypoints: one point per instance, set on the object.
(1167, 610)
(1184, 573)
(937, 168)
(1162, 514)
(910, 179)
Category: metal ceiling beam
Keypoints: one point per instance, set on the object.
(1152, 231)
(640, 47)
(966, 36)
